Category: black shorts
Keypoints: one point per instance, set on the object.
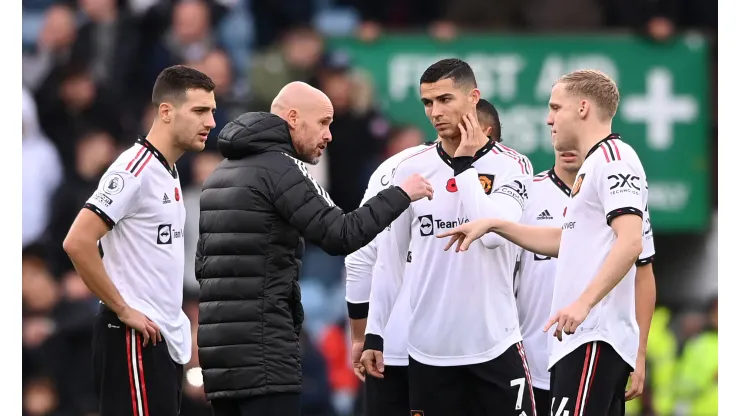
(388, 396)
(132, 380)
(277, 404)
(501, 386)
(542, 401)
(591, 380)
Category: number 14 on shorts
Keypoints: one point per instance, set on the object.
(561, 407)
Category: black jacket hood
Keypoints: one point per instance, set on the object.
(253, 133)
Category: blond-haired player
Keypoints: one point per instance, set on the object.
(593, 305)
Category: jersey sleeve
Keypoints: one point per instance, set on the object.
(117, 196)
(387, 277)
(484, 197)
(648, 245)
(359, 264)
(620, 186)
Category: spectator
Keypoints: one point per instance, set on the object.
(294, 58)
(94, 152)
(42, 173)
(70, 102)
(403, 137)
(108, 44)
(360, 131)
(40, 398)
(53, 45)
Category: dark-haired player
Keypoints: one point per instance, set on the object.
(464, 344)
(389, 396)
(141, 335)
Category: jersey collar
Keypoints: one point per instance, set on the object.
(558, 182)
(144, 142)
(482, 151)
(612, 136)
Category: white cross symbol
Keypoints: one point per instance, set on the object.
(659, 109)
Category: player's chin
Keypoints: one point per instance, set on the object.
(197, 146)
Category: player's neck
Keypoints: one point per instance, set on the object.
(450, 145)
(162, 142)
(593, 136)
(565, 176)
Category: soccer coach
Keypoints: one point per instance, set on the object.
(256, 209)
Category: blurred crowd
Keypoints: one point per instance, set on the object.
(88, 69)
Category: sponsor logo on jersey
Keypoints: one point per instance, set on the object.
(577, 185)
(166, 199)
(165, 234)
(103, 199)
(427, 224)
(544, 215)
(624, 183)
(570, 225)
(486, 182)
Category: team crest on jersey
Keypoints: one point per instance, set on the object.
(577, 185)
(486, 181)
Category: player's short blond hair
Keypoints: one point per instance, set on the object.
(594, 85)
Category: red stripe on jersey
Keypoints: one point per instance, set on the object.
(606, 155)
(540, 179)
(144, 164)
(134, 159)
(616, 149)
(418, 153)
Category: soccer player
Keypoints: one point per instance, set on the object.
(389, 396)
(464, 344)
(141, 335)
(548, 199)
(593, 305)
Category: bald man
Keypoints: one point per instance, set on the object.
(256, 209)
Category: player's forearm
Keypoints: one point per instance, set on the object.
(357, 329)
(541, 240)
(644, 302)
(477, 205)
(86, 259)
(621, 258)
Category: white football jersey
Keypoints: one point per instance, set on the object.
(140, 199)
(610, 183)
(548, 198)
(360, 265)
(462, 304)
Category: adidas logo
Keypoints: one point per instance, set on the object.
(166, 199)
(545, 215)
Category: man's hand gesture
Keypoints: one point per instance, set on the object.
(472, 137)
(372, 360)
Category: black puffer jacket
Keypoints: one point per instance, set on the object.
(255, 210)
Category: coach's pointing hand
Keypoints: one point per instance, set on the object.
(568, 319)
(372, 360)
(137, 320)
(416, 187)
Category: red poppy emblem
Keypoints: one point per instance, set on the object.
(451, 185)
(177, 194)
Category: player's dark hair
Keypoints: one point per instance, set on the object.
(457, 70)
(173, 83)
(487, 111)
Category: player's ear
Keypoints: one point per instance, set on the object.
(583, 109)
(165, 111)
(474, 96)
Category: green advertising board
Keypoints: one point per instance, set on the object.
(663, 109)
